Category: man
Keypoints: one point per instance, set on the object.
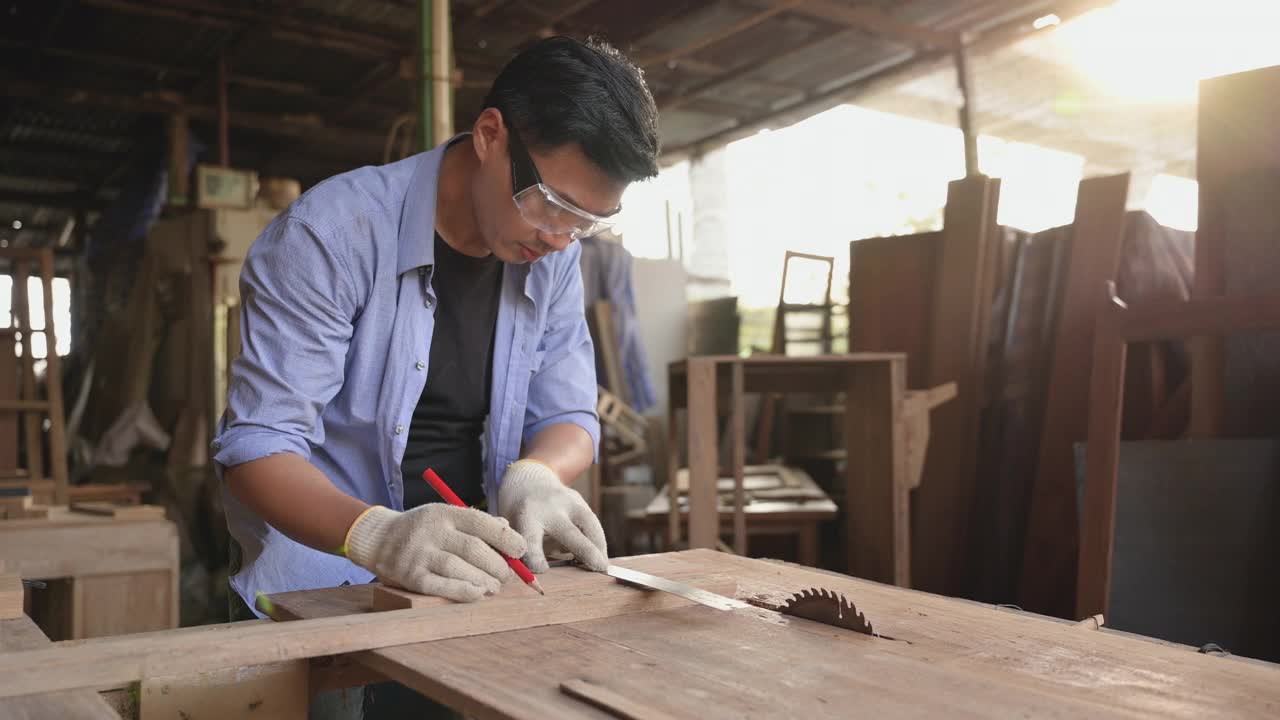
(374, 348)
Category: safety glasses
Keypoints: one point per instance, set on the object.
(542, 207)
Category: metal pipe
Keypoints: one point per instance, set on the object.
(442, 71)
(965, 80)
(426, 96)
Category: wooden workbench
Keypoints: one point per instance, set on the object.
(877, 484)
(107, 575)
(508, 657)
(786, 502)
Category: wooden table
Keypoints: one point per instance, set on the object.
(656, 655)
(108, 575)
(877, 486)
(797, 507)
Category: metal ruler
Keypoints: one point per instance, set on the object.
(689, 592)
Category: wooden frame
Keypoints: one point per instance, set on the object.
(30, 408)
(1119, 325)
(878, 541)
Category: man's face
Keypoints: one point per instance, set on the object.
(565, 170)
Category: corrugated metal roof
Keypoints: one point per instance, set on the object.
(314, 85)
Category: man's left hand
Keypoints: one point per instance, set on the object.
(540, 507)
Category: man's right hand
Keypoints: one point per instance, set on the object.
(435, 549)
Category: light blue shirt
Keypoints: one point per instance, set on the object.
(336, 324)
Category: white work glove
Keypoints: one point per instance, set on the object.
(435, 549)
(540, 508)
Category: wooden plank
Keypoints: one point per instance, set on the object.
(386, 598)
(1239, 119)
(111, 662)
(1222, 315)
(956, 353)
(279, 690)
(1098, 513)
(1049, 559)
(8, 393)
(113, 510)
(21, 634)
(877, 500)
(738, 452)
(977, 661)
(673, 465)
(11, 597)
(891, 283)
(53, 387)
(915, 413)
(612, 702)
(704, 456)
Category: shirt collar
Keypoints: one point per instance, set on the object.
(418, 217)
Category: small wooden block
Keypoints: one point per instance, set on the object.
(10, 597)
(21, 508)
(120, 512)
(1093, 622)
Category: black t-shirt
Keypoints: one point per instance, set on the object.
(448, 423)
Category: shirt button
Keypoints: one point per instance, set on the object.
(399, 429)
(420, 365)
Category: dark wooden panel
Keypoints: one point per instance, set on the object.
(1197, 524)
(891, 282)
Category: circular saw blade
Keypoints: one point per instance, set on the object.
(827, 607)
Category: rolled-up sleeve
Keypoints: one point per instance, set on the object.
(298, 301)
(563, 387)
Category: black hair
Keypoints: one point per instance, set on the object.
(562, 91)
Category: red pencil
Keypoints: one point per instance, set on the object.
(451, 498)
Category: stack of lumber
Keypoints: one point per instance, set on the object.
(1030, 379)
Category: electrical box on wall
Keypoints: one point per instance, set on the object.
(219, 187)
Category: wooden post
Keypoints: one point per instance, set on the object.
(965, 80)
(737, 436)
(878, 543)
(673, 466)
(1102, 456)
(179, 178)
(704, 445)
(53, 388)
(31, 431)
(1049, 557)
